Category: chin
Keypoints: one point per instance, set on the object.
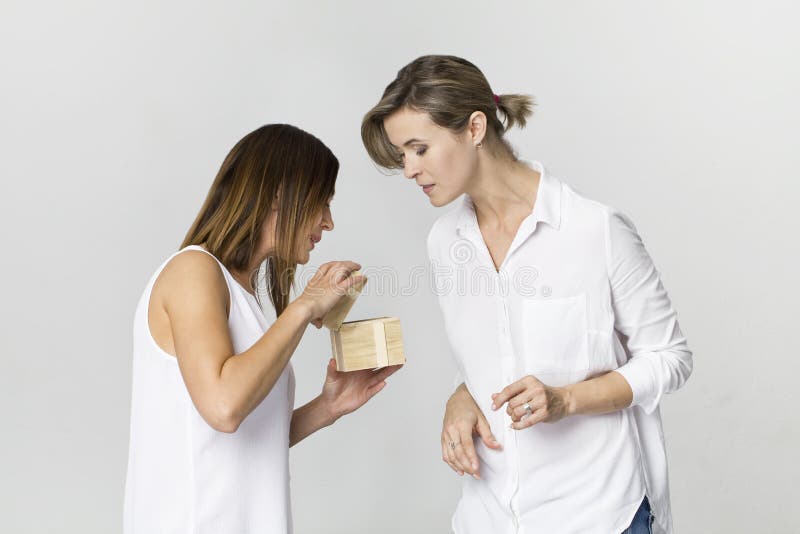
(438, 202)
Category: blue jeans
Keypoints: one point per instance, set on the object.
(642, 521)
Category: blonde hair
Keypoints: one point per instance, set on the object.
(449, 89)
(276, 160)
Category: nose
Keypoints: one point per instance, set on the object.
(410, 168)
(327, 220)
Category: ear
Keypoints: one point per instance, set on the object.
(477, 127)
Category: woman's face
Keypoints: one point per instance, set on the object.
(441, 162)
(307, 239)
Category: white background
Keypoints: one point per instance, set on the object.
(116, 116)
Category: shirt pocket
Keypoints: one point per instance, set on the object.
(554, 336)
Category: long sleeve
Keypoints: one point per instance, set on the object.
(659, 358)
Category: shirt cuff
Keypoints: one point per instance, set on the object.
(641, 377)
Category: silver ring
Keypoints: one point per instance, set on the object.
(528, 409)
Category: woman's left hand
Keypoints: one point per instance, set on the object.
(530, 402)
(346, 392)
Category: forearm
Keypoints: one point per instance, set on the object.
(308, 419)
(603, 394)
(247, 378)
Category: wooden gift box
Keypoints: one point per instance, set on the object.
(364, 344)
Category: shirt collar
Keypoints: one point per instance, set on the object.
(547, 207)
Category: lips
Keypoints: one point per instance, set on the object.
(314, 240)
(427, 188)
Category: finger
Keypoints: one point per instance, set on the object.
(349, 265)
(355, 281)
(535, 403)
(450, 454)
(331, 370)
(537, 417)
(373, 390)
(485, 432)
(454, 448)
(468, 457)
(340, 270)
(508, 392)
(386, 372)
(516, 403)
(446, 456)
(317, 323)
(465, 453)
(520, 411)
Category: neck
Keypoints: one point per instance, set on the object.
(243, 275)
(503, 191)
(244, 280)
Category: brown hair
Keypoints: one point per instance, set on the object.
(449, 89)
(276, 159)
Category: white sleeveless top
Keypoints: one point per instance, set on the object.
(184, 476)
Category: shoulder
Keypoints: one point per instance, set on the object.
(192, 276)
(581, 208)
(443, 230)
(575, 200)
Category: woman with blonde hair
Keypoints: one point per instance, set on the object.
(212, 409)
(563, 334)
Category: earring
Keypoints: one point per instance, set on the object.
(480, 144)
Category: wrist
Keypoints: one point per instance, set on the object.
(567, 394)
(328, 414)
(458, 394)
(302, 308)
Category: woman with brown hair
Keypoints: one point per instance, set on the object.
(553, 310)
(212, 415)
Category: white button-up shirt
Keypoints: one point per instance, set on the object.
(576, 296)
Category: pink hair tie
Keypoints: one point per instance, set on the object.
(496, 99)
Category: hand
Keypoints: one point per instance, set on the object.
(547, 404)
(343, 393)
(462, 419)
(329, 284)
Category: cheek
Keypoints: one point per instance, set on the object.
(456, 166)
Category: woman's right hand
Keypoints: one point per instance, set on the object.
(462, 419)
(329, 284)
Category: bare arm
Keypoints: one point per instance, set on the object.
(308, 419)
(224, 386)
(603, 394)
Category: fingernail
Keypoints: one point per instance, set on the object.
(494, 406)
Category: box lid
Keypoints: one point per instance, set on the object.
(335, 317)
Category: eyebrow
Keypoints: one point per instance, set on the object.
(412, 141)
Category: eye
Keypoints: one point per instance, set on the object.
(421, 150)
